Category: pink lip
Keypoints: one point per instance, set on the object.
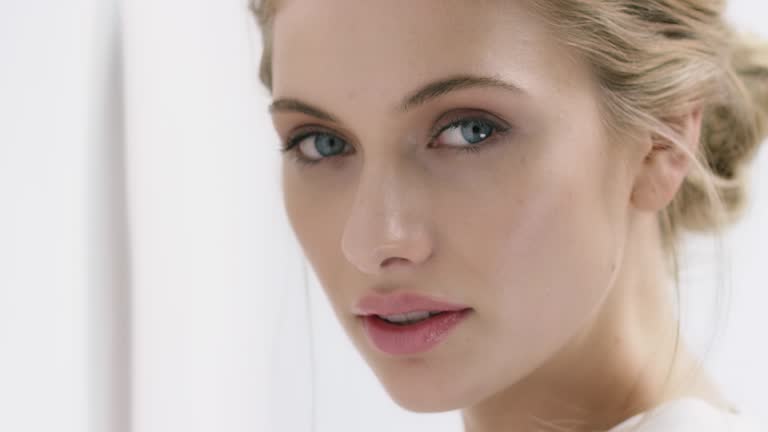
(411, 339)
(403, 303)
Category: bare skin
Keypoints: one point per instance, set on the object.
(548, 232)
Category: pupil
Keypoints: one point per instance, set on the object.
(327, 145)
(476, 132)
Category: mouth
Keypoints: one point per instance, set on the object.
(405, 319)
(412, 332)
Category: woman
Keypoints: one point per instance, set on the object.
(490, 193)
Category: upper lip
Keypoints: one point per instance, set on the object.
(400, 303)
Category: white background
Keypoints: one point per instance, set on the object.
(148, 279)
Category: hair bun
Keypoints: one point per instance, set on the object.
(733, 128)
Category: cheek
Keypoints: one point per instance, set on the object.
(316, 218)
(554, 265)
(549, 247)
(545, 246)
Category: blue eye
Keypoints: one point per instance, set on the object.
(324, 146)
(471, 131)
(466, 134)
(312, 147)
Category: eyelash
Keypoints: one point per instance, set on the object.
(291, 146)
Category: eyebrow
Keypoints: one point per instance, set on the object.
(416, 98)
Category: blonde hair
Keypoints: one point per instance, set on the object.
(655, 60)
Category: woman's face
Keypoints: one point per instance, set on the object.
(520, 212)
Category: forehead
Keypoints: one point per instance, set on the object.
(372, 50)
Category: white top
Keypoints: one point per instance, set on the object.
(689, 415)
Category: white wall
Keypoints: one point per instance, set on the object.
(59, 250)
(203, 206)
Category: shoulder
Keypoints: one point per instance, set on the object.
(689, 415)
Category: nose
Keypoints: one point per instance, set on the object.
(388, 226)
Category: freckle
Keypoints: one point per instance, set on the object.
(351, 95)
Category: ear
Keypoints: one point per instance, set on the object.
(664, 166)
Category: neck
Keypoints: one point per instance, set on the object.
(628, 359)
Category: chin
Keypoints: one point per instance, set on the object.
(426, 401)
(428, 393)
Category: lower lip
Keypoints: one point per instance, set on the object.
(412, 338)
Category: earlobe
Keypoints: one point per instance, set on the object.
(665, 166)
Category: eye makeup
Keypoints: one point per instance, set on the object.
(489, 129)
